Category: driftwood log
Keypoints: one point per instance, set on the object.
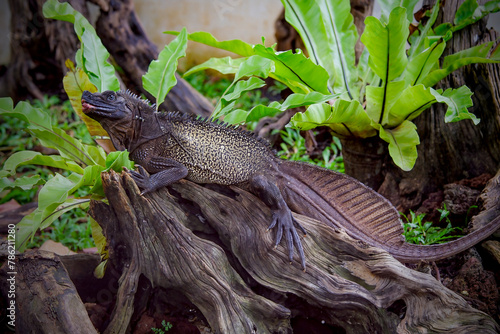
(167, 238)
(46, 298)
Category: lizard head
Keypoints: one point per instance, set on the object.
(121, 114)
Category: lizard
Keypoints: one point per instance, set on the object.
(170, 146)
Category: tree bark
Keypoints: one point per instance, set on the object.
(349, 285)
(448, 152)
(38, 50)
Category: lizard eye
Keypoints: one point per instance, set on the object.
(111, 97)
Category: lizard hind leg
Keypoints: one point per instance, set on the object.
(282, 217)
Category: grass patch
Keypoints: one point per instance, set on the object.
(72, 229)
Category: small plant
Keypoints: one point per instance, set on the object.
(294, 148)
(166, 327)
(417, 231)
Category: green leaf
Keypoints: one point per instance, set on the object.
(24, 182)
(243, 86)
(219, 111)
(316, 115)
(91, 176)
(300, 100)
(421, 37)
(343, 35)
(56, 191)
(380, 100)
(478, 53)
(26, 229)
(237, 46)
(37, 118)
(403, 142)
(117, 160)
(238, 116)
(345, 118)
(226, 65)
(421, 64)
(458, 101)
(329, 36)
(36, 158)
(386, 6)
(349, 119)
(92, 56)
(410, 104)
(387, 44)
(474, 55)
(96, 153)
(67, 146)
(160, 77)
(295, 70)
(100, 72)
(260, 111)
(365, 73)
(466, 13)
(41, 127)
(254, 66)
(52, 9)
(51, 198)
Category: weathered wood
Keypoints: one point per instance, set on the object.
(146, 239)
(46, 299)
(490, 203)
(357, 287)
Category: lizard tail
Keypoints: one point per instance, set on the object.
(342, 201)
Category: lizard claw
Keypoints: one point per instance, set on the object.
(141, 178)
(285, 222)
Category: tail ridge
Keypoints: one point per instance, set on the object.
(343, 202)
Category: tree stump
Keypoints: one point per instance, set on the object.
(167, 237)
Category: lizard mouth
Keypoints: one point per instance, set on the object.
(87, 107)
(90, 109)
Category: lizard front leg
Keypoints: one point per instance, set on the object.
(165, 172)
(282, 217)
